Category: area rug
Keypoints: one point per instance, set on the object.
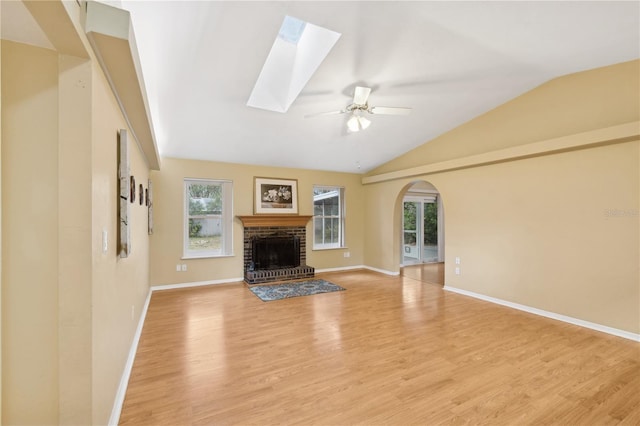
(268, 293)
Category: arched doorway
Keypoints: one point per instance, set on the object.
(422, 236)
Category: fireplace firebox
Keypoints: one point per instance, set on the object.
(275, 251)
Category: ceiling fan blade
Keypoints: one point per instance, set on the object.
(360, 95)
(319, 114)
(390, 110)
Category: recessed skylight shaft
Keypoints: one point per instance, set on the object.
(296, 54)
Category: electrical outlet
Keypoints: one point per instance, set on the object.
(347, 254)
(133, 311)
(178, 268)
(457, 260)
(457, 271)
(184, 267)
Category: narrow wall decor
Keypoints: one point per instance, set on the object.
(124, 240)
(150, 204)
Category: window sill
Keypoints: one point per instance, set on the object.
(206, 256)
(329, 248)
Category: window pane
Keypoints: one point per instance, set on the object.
(205, 234)
(329, 218)
(410, 238)
(317, 227)
(205, 199)
(332, 209)
(207, 218)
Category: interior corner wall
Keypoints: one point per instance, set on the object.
(30, 237)
(167, 239)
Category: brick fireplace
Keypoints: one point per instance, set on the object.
(258, 230)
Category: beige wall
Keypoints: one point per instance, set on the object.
(69, 311)
(30, 234)
(74, 239)
(566, 105)
(544, 232)
(167, 239)
(120, 285)
(0, 218)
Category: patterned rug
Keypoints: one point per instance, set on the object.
(271, 292)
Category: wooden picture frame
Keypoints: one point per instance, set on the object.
(275, 196)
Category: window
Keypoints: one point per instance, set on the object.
(328, 217)
(208, 218)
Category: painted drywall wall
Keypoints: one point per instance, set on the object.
(566, 105)
(30, 234)
(0, 218)
(74, 240)
(556, 232)
(120, 285)
(70, 310)
(167, 240)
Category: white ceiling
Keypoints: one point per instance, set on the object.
(449, 61)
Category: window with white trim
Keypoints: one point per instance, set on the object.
(328, 217)
(208, 217)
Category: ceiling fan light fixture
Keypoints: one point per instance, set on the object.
(353, 125)
(357, 122)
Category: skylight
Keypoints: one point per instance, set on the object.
(296, 54)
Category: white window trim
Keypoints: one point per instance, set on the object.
(341, 244)
(227, 220)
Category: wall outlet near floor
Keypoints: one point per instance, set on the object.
(178, 269)
(457, 271)
(133, 312)
(347, 254)
(183, 267)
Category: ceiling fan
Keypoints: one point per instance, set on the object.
(359, 106)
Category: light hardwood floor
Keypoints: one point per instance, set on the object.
(387, 351)
(426, 272)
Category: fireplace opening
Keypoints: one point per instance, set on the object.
(275, 251)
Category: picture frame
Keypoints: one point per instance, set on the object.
(150, 207)
(275, 196)
(125, 180)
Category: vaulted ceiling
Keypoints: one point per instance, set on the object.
(448, 61)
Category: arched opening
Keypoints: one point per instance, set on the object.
(422, 232)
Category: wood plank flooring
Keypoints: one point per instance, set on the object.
(387, 351)
(425, 272)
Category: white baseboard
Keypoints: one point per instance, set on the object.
(124, 380)
(344, 268)
(196, 284)
(382, 271)
(547, 314)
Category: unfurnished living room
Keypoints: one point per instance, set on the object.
(319, 212)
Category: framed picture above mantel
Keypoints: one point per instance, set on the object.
(275, 196)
